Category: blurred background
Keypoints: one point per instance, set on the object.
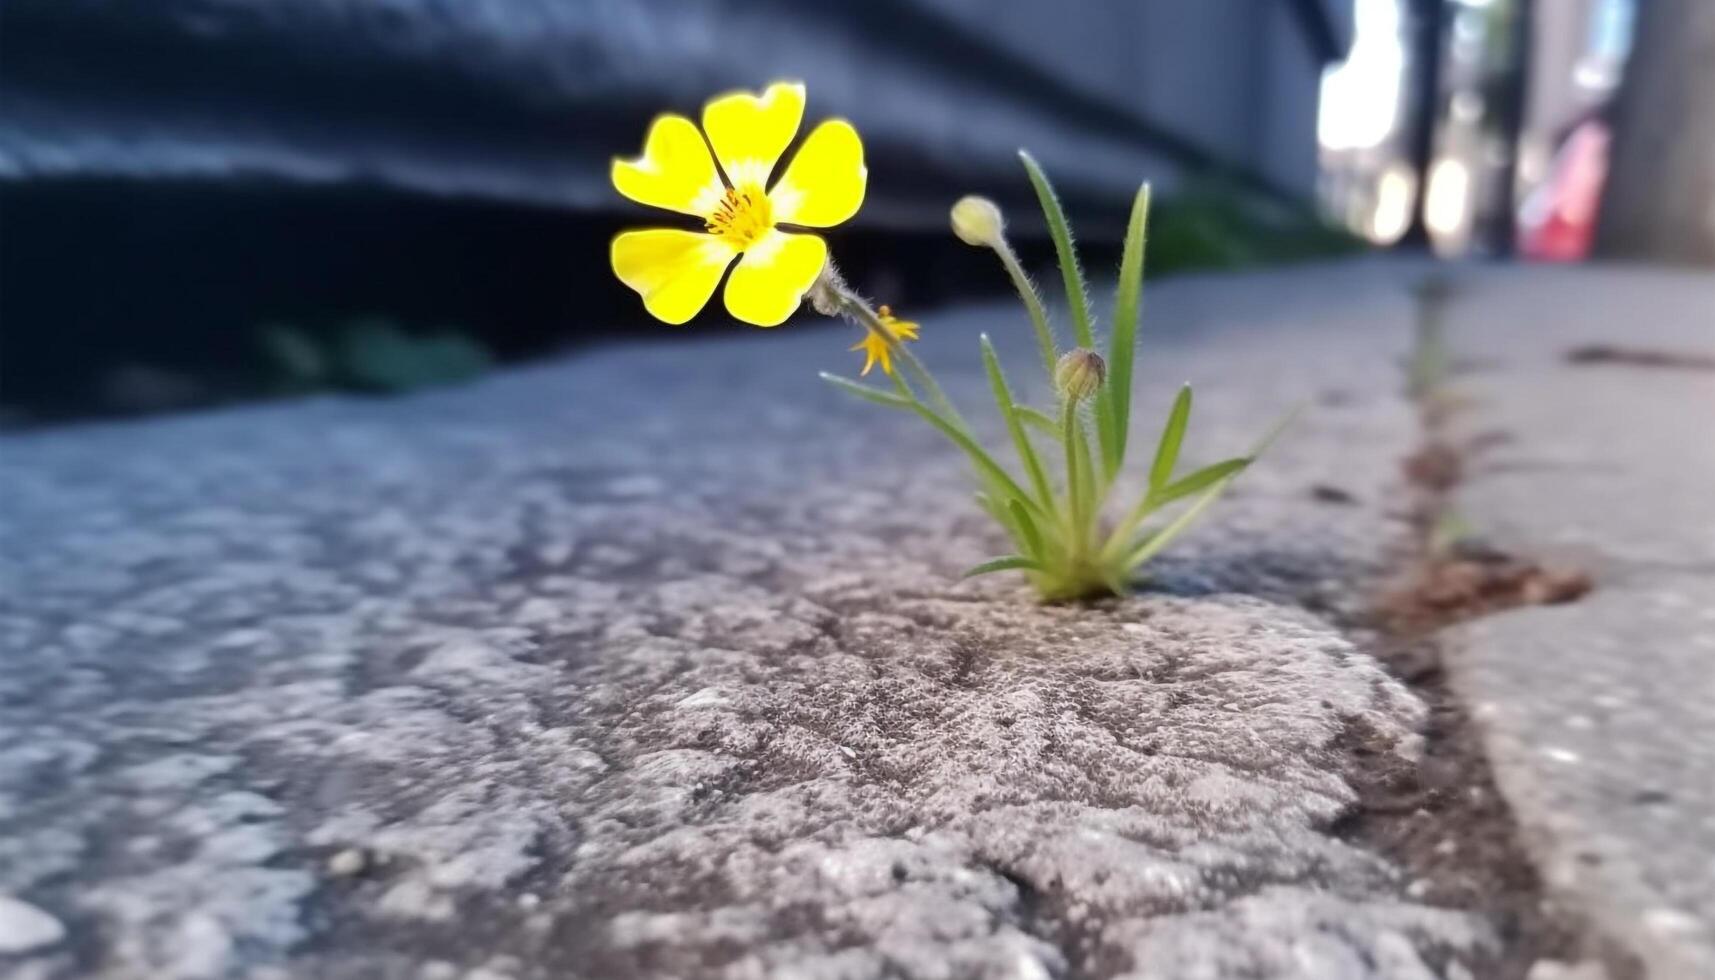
(213, 201)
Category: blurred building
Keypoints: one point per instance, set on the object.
(187, 182)
(526, 101)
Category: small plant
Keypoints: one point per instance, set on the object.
(1064, 541)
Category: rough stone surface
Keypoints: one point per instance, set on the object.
(1601, 714)
(655, 662)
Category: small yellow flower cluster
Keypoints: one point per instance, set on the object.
(876, 349)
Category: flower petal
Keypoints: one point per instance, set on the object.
(749, 133)
(674, 271)
(875, 351)
(771, 279)
(824, 183)
(675, 171)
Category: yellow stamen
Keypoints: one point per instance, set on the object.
(742, 217)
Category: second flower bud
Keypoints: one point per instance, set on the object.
(1080, 374)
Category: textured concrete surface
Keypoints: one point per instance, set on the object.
(653, 662)
(1601, 714)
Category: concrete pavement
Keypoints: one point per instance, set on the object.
(1601, 713)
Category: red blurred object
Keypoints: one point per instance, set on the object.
(1557, 222)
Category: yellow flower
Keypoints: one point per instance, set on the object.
(876, 350)
(676, 271)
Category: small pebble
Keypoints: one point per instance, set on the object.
(347, 863)
(25, 928)
(1556, 970)
(1669, 922)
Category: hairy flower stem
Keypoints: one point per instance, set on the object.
(1070, 435)
(854, 308)
(1032, 302)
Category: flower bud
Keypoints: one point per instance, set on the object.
(977, 221)
(1079, 373)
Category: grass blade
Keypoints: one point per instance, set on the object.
(1216, 477)
(1186, 486)
(1038, 418)
(1027, 526)
(1076, 295)
(1154, 543)
(1122, 340)
(984, 463)
(1172, 436)
(1004, 564)
(929, 384)
(999, 514)
(1274, 433)
(865, 391)
(1026, 452)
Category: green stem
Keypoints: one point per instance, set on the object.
(871, 321)
(1032, 302)
(1070, 435)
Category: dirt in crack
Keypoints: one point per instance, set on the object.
(1442, 818)
(1454, 576)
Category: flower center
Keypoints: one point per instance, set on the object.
(742, 217)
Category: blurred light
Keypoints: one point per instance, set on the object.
(1360, 96)
(1393, 204)
(1445, 206)
(1611, 29)
(1610, 38)
(1533, 160)
(1467, 106)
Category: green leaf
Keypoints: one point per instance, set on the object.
(1216, 478)
(1152, 545)
(1172, 435)
(1005, 564)
(1038, 418)
(1115, 580)
(1026, 526)
(1076, 296)
(994, 501)
(1122, 342)
(929, 384)
(984, 463)
(865, 391)
(1026, 452)
(1274, 433)
(1197, 481)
